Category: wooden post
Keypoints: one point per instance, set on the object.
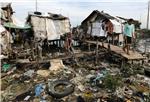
(33, 49)
(59, 43)
(122, 63)
(73, 55)
(9, 19)
(109, 47)
(89, 48)
(113, 38)
(142, 62)
(118, 39)
(145, 47)
(96, 51)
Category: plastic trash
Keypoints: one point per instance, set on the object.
(39, 89)
(100, 75)
(6, 67)
(27, 98)
(29, 73)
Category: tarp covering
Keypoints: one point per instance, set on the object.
(117, 27)
(51, 29)
(57, 24)
(65, 26)
(62, 26)
(97, 29)
(39, 27)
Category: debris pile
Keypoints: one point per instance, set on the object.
(88, 82)
(42, 61)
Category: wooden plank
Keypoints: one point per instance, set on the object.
(133, 54)
(79, 54)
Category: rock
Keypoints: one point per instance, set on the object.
(43, 73)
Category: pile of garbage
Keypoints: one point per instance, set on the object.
(56, 82)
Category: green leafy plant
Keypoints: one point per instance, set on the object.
(112, 82)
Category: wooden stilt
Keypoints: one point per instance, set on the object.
(96, 52)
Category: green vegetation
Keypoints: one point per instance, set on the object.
(111, 82)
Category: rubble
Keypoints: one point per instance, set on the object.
(90, 84)
(37, 73)
(94, 84)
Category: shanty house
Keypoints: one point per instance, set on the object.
(48, 26)
(49, 31)
(94, 24)
(5, 37)
(9, 28)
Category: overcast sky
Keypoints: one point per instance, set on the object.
(78, 10)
